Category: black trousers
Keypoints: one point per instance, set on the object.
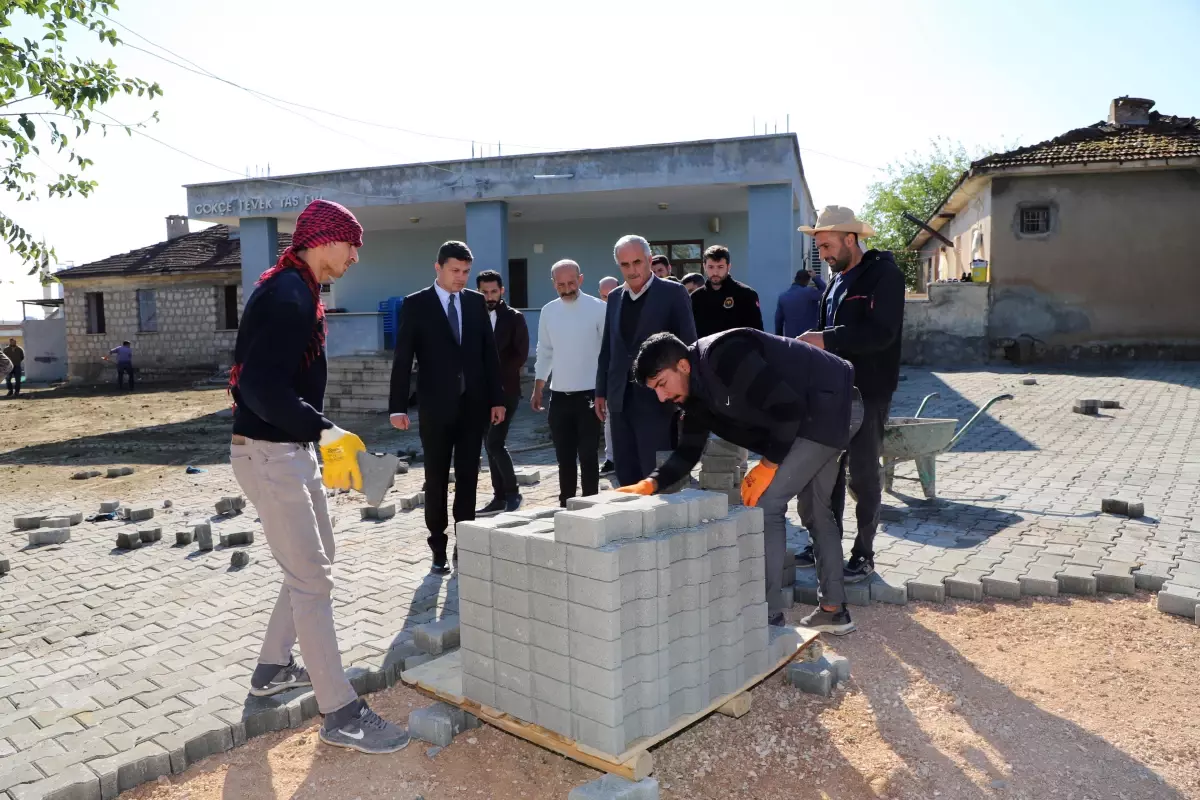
(15, 377)
(639, 431)
(500, 464)
(455, 440)
(576, 431)
(861, 460)
(122, 371)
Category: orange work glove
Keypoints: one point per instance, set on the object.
(643, 487)
(756, 482)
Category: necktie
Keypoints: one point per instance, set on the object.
(452, 313)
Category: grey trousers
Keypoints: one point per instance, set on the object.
(808, 473)
(283, 481)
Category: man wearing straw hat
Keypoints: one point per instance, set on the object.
(861, 313)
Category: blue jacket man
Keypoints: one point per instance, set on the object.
(799, 307)
(643, 306)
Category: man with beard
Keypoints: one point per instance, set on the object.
(512, 345)
(861, 313)
(723, 304)
(569, 335)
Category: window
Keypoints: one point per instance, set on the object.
(1035, 219)
(95, 312)
(147, 313)
(685, 256)
(227, 296)
(518, 282)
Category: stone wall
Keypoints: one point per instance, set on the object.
(947, 327)
(190, 315)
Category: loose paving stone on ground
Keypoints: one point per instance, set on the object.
(150, 650)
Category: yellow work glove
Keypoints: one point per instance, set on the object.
(643, 487)
(339, 451)
(756, 482)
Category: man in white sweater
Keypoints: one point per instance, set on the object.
(570, 330)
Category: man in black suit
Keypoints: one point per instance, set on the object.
(446, 327)
(644, 305)
(512, 346)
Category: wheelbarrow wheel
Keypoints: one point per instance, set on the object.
(927, 473)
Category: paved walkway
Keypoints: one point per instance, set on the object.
(117, 667)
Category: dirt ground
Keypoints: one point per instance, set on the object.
(1075, 699)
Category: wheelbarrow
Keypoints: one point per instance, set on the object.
(922, 440)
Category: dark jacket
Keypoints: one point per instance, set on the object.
(865, 329)
(734, 305)
(667, 309)
(279, 397)
(761, 392)
(512, 346)
(452, 379)
(798, 310)
(15, 353)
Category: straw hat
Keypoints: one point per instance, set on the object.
(837, 218)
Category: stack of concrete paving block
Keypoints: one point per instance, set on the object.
(722, 468)
(608, 621)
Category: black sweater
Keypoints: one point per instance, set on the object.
(279, 398)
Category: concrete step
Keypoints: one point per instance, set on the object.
(343, 376)
(380, 363)
(357, 390)
(361, 405)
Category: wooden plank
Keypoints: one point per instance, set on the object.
(441, 678)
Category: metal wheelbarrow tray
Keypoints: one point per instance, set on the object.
(922, 439)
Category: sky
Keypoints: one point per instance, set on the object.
(863, 84)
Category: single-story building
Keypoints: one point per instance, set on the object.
(1089, 240)
(178, 302)
(520, 214)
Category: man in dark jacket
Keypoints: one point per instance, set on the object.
(862, 312)
(278, 385)
(723, 304)
(16, 354)
(792, 403)
(799, 307)
(512, 346)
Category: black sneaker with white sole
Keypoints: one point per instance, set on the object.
(367, 733)
(805, 558)
(858, 569)
(836, 622)
(289, 677)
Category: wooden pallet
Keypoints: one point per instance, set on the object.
(441, 679)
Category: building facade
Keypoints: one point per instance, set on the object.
(1089, 239)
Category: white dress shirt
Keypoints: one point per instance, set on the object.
(492, 317)
(568, 346)
(445, 296)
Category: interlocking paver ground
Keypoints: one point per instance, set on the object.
(115, 665)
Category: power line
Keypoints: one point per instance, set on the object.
(263, 95)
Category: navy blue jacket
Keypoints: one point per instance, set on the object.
(668, 308)
(761, 392)
(865, 326)
(798, 310)
(279, 398)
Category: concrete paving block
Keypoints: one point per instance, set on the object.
(5, 566)
(598, 652)
(722, 533)
(838, 665)
(751, 545)
(1151, 575)
(548, 582)
(811, 677)
(144, 763)
(687, 501)
(729, 584)
(378, 512)
(76, 782)
(890, 588)
(687, 598)
(754, 616)
(929, 585)
(723, 609)
(664, 512)
(237, 538)
(643, 641)
(966, 584)
(239, 558)
(1180, 600)
(719, 481)
(475, 565)
(719, 463)
(644, 613)
(687, 543)
(437, 637)
(1116, 577)
(1075, 579)
(586, 527)
(510, 574)
(634, 555)
(437, 724)
(513, 678)
(757, 662)
(782, 642)
(183, 538)
(858, 594)
(610, 711)
(546, 553)
(42, 536)
(476, 640)
(554, 638)
(604, 595)
(755, 637)
(511, 626)
(641, 585)
(474, 536)
(204, 538)
(691, 571)
(725, 559)
(55, 522)
(191, 743)
(549, 663)
(141, 514)
(602, 563)
(689, 700)
(514, 703)
(752, 592)
(550, 610)
(478, 665)
(726, 681)
(509, 544)
(551, 717)
(513, 653)
(1005, 583)
(687, 623)
(129, 540)
(605, 738)
(594, 622)
(479, 690)
(475, 590)
(528, 477)
(27, 522)
(1040, 581)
